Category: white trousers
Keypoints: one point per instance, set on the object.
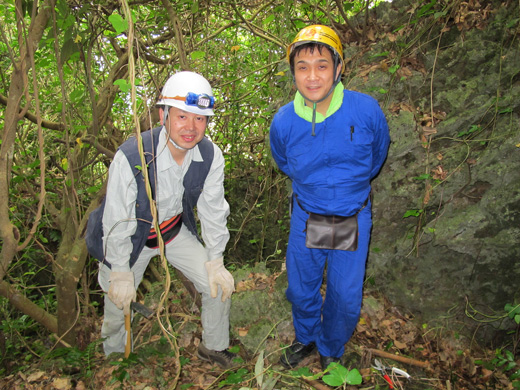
(188, 255)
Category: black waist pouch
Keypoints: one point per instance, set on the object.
(169, 230)
(332, 232)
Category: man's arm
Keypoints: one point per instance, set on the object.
(119, 222)
(381, 141)
(278, 148)
(213, 209)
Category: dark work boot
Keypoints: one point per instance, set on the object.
(326, 360)
(224, 359)
(294, 354)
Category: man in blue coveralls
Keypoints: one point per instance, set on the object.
(331, 142)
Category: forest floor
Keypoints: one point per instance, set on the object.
(433, 360)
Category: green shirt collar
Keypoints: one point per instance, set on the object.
(305, 112)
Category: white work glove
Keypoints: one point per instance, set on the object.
(219, 276)
(122, 290)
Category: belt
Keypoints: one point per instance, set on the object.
(169, 230)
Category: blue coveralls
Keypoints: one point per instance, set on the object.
(331, 174)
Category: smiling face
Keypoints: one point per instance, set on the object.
(185, 128)
(314, 75)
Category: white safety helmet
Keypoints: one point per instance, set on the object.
(190, 92)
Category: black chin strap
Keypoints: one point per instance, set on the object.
(315, 102)
(168, 132)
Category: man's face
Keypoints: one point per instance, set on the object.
(185, 128)
(314, 74)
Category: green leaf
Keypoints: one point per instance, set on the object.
(393, 68)
(383, 54)
(92, 189)
(268, 20)
(68, 49)
(512, 23)
(119, 24)
(424, 176)
(354, 377)
(235, 377)
(302, 371)
(259, 369)
(339, 375)
(123, 85)
(412, 213)
(197, 55)
(300, 24)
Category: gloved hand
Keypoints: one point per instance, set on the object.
(122, 291)
(219, 276)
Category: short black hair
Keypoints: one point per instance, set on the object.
(311, 46)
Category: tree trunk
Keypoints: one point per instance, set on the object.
(9, 235)
(25, 305)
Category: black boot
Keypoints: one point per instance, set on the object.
(293, 355)
(326, 360)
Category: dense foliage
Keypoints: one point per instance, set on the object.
(79, 77)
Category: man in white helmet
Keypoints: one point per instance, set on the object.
(186, 170)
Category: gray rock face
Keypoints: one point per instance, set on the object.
(455, 258)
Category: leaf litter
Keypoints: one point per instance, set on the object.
(434, 360)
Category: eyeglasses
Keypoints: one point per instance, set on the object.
(201, 100)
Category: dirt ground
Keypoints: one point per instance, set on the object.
(433, 359)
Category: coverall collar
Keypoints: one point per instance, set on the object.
(305, 112)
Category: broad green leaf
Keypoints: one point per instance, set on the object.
(197, 55)
(268, 20)
(119, 24)
(412, 213)
(123, 85)
(259, 369)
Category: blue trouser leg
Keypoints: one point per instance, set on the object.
(330, 322)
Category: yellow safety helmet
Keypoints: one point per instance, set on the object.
(319, 34)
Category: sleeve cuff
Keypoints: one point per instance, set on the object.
(120, 268)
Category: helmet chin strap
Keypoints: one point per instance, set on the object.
(167, 132)
(315, 102)
(174, 144)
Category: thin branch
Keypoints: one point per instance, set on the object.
(41, 155)
(34, 118)
(346, 19)
(178, 34)
(255, 30)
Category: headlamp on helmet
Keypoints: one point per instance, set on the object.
(190, 92)
(200, 100)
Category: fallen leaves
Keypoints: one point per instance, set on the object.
(471, 14)
(439, 173)
(257, 281)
